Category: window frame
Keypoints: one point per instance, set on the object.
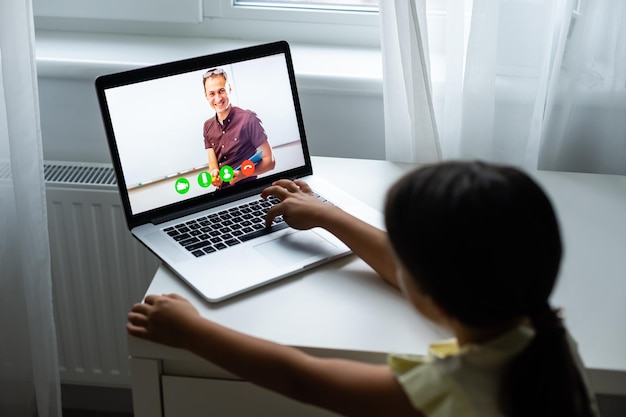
(314, 25)
(228, 9)
(211, 19)
(179, 11)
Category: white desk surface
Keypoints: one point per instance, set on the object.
(345, 309)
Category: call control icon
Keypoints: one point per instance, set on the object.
(247, 167)
(227, 173)
(204, 179)
(182, 185)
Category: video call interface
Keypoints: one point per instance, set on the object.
(158, 126)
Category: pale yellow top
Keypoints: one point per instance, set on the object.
(450, 382)
(459, 382)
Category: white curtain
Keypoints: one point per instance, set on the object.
(29, 377)
(538, 84)
(410, 128)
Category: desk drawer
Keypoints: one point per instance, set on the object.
(190, 397)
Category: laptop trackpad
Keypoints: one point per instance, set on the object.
(297, 247)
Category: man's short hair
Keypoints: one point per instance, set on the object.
(213, 72)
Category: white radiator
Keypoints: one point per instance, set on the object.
(98, 271)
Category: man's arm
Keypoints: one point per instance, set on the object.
(346, 387)
(267, 163)
(302, 210)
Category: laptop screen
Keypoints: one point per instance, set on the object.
(194, 131)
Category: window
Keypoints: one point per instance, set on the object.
(322, 22)
(345, 5)
(329, 22)
(189, 11)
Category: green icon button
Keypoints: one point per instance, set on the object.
(227, 173)
(182, 185)
(204, 179)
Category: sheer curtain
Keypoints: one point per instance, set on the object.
(410, 128)
(538, 84)
(29, 378)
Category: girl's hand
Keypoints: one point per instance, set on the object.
(298, 206)
(166, 319)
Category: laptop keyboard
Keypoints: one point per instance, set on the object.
(226, 228)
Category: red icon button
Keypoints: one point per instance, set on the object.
(247, 167)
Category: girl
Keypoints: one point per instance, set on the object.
(475, 248)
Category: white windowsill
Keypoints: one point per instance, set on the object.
(87, 55)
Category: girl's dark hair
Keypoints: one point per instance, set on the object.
(483, 241)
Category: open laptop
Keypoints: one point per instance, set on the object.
(154, 119)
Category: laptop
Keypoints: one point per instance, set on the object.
(199, 221)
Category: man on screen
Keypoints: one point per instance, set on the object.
(234, 137)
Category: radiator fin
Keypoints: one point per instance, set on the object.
(79, 173)
(98, 270)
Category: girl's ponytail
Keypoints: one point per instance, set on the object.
(545, 380)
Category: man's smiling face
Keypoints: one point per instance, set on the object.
(216, 90)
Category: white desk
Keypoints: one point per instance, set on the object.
(343, 309)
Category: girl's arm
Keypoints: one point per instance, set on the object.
(301, 210)
(346, 387)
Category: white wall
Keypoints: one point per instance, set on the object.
(341, 102)
(343, 125)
